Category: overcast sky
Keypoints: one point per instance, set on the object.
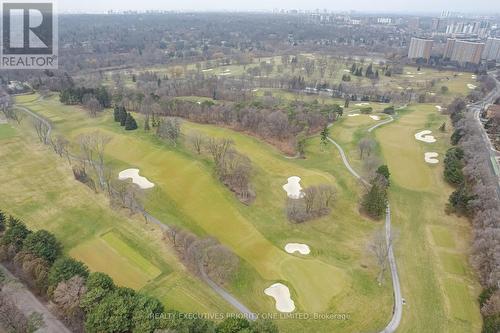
(422, 6)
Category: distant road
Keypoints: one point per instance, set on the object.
(476, 108)
(27, 303)
(397, 311)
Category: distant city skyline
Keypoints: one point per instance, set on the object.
(368, 6)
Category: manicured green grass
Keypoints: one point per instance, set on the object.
(110, 255)
(114, 240)
(38, 187)
(6, 131)
(418, 198)
(339, 275)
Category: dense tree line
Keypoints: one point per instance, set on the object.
(91, 302)
(279, 127)
(81, 95)
(477, 197)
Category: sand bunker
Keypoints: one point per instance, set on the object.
(425, 137)
(293, 188)
(281, 295)
(471, 86)
(431, 158)
(353, 115)
(439, 108)
(297, 247)
(375, 117)
(142, 182)
(347, 71)
(362, 104)
(207, 70)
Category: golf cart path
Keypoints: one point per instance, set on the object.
(150, 218)
(390, 120)
(215, 287)
(27, 303)
(398, 300)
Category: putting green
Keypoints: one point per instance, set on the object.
(109, 254)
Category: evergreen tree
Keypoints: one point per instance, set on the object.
(43, 244)
(353, 68)
(375, 201)
(369, 70)
(324, 136)
(130, 123)
(64, 269)
(116, 113)
(3, 219)
(122, 116)
(383, 170)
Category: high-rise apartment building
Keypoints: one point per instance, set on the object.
(420, 48)
(492, 49)
(463, 51)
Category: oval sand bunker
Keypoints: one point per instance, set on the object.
(425, 137)
(431, 158)
(297, 247)
(142, 182)
(293, 188)
(281, 295)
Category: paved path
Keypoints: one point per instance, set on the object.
(28, 303)
(34, 115)
(398, 300)
(477, 109)
(150, 218)
(391, 119)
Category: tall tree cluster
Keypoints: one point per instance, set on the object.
(477, 197)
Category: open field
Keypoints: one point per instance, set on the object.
(338, 276)
(425, 81)
(39, 187)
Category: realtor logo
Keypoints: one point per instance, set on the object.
(29, 35)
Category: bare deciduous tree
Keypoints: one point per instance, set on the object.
(365, 146)
(197, 140)
(92, 146)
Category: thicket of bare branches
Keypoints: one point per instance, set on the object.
(233, 168)
(41, 129)
(92, 146)
(204, 255)
(316, 202)
(66, 302)
(478, 197)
